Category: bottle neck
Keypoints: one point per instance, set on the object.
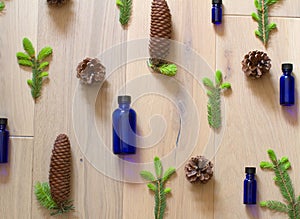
(250, 176)
(2, 127)
(287, 72)
(217, 5)
(125, 106)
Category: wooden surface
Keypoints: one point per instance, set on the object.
(253, 119)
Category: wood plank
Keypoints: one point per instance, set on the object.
(255, 120)
(62, 28)
(16, 180)
(282, 8)
(17, 103)
(159, 101)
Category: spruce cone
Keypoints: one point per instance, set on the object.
(60, 170)
(198, 169)
(160, 33)
(256, 63)
(90, 71)
(56, 2)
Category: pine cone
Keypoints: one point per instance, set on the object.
(160, 32)
(60, 170)
(198, 169)
(256, 63)
(90, 71)
(56, 2)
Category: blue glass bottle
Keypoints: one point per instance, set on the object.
(216, 12)
(4, 137)
(250, 186)
(287, 85)
(124, 127)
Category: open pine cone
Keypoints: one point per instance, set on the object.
(160, 32)
(198, 169)
(90, 71)
(60, 170)
(256, 63)
(56, 2)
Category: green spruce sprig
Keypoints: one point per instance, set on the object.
(291, 206)
(2, 6)
(214, 99)
(262, 18)
(157, 185)
(43, 195)
(125, 7)
(37, 64)
(168, 69)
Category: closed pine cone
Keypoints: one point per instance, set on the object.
(56, 2)
(256, 64)
(198, 169)
(160, 32)
(90, 71)
(60, 170)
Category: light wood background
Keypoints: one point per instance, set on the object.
(254, 119)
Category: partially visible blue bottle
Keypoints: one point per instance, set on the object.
(287, 85)
(4, 137)
(124, 127)
(216, 12)
(250, 186)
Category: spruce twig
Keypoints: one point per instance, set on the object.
(283, 181)
(262, 18)
(214, 101)
(125, 7)
(2, 5)
(37, 64)
(157, 185)
(43, 196)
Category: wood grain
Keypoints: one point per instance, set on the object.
(16, 180)
(17, 103)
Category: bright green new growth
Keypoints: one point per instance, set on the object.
(43, 196)
(214, 101)
(125, 7)
(2, 5)
(262, 18)
(37, 64)
(157, 185)
(165, 69)
(282, 179)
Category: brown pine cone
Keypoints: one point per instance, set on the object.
(56, 2)
(160, 32)
(198, 169)
(90, 71)
(60, 170)
(256, 63)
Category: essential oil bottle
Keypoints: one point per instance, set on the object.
(287, 85)
(250, 186)
(124, 127)
(4, 140)
(216, 12)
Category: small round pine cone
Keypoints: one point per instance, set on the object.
(56, 2)
(60, 170)
(198, 169)
(160, 31)
(90, 71)
(256, 64)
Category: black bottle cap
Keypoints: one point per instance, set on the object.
(217, 1)
(250, 170)
(124, 99)
(3, 121)
(287, 67)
